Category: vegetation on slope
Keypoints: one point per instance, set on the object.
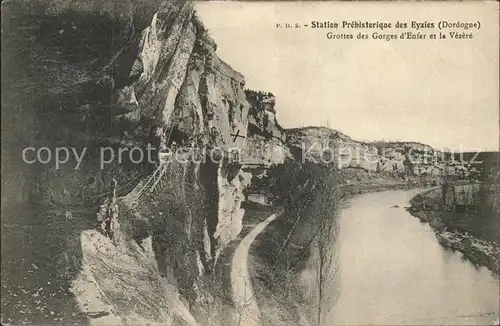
(311, 196)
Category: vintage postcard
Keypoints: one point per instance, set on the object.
(250, 163)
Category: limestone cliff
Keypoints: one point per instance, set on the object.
(266, 143)
(120, 76)
(194, 99)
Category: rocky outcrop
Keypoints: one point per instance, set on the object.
(266, 143)
(122, 285)
(122, 76)
(262, 116)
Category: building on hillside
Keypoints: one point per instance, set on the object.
(461, 198)
(258, 199)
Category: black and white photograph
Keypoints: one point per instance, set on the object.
(250, 163)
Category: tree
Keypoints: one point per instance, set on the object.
(245, 305)
(317, 203)
(328, 202)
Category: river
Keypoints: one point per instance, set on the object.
(391, 270)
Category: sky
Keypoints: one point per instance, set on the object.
(444, 93)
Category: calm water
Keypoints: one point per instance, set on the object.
(392, 270)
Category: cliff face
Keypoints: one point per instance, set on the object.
(266, 143)
(121, 76)
(184, 85)
(194, 99)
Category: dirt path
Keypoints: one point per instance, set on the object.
(241, 283)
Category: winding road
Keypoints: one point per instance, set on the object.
(241, 282)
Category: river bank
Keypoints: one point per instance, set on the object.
(393, 271)
(479, 250)
(276, 270)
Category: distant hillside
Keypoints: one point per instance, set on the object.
(400, 159)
